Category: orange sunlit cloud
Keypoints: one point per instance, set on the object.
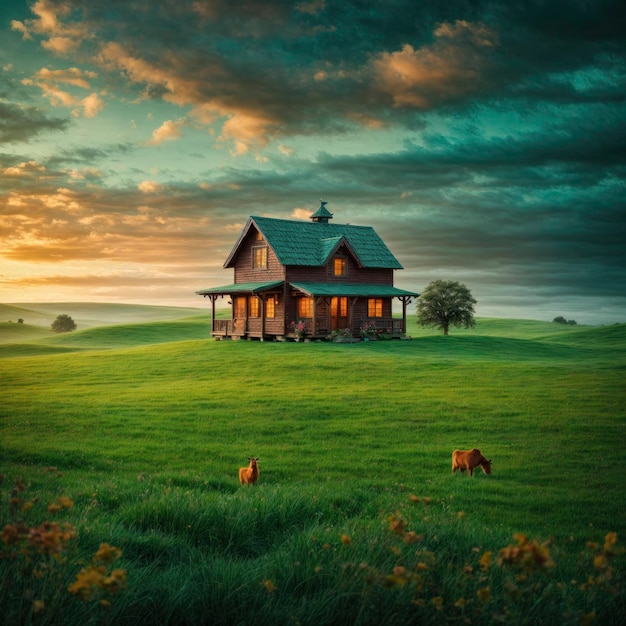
(446, 69)
(484, 144)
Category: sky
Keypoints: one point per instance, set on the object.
(485, 142)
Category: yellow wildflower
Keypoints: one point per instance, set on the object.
(484, 594)
(107, 553)
(396, 524)
(609, 542)
(486, 560)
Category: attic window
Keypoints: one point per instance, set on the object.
(340, 267)
(259, 258)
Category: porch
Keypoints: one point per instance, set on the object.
(252, 328)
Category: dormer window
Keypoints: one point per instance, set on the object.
(340, 267)
(259, 258)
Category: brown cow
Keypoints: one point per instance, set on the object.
(468, 460)
(249, 475)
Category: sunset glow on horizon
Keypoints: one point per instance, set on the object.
(483, 142)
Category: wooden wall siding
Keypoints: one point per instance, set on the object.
(274, 326)
(243, 266)
(325, 275)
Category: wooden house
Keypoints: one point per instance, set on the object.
(295, 278)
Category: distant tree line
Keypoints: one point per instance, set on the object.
(559, 319)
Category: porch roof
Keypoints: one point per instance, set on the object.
(343, 289)
(240, 288)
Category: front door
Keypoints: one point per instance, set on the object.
(240, 314)
(338, 313)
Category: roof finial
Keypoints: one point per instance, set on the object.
(322, 215)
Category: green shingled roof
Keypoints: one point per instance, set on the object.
(341, 289)
(240, 288)
(310, 243)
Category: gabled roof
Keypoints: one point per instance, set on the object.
(302, 243)
(344, 289)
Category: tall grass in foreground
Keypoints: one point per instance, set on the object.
(284, 556)
(121, 503)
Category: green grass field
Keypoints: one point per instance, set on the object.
(148, 421)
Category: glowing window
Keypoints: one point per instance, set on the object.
(340, 266)
(305, 307)
(259, 258)
(339, 307)
(240, 307)
(374, 307)
(254, 310)
(270, 307)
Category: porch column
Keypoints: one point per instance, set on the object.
(352, 301)
(404, 303)
(406, 300)
(212, 298)
(262, 299)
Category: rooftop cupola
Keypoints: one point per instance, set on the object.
(322, 215)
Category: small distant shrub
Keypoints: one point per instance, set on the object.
(559, 319)
(63, 324)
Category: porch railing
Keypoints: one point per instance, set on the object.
(239, 327)
(229, 328)
(388, 326)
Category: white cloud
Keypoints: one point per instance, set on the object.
(149, 186)
(168, 131)
(92, 105)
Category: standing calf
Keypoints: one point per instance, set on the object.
(249, 475)
(468, 460)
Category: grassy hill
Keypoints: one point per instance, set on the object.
(99, 326)
(146, 424)
(131, 325)
(89, 314)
